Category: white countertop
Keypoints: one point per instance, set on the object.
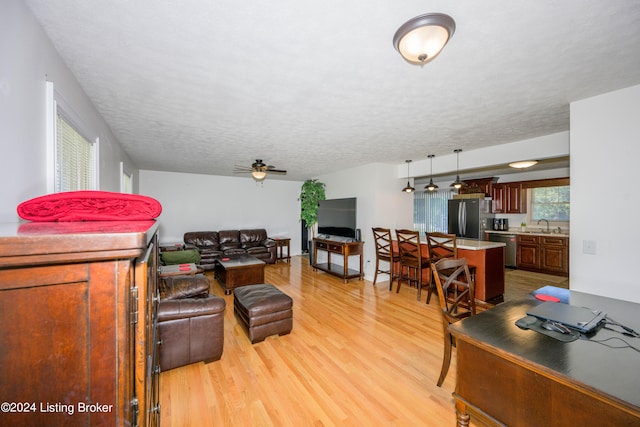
(477, 245)
(532, 233)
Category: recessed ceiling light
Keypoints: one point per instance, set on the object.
(524, 164)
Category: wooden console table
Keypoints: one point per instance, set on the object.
(509, 376)
(346, 249)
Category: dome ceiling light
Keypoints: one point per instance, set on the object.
(523, 164)
(420, 39)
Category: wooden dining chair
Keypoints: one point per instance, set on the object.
(412, 260)
(386, 254)
(444, 245)
(440, 245)
(456, 295)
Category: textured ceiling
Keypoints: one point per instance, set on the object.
(201, 85)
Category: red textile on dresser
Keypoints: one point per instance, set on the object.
(90, 206)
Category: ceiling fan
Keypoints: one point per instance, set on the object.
(259, 170)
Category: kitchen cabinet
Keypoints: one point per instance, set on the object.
(509, 198)
(78, 302)
(544, 254)
(482, 185)
(554, 255)
(528, 257)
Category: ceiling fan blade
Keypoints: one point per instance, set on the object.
(277, 171)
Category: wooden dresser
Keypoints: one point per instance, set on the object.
(78, 312)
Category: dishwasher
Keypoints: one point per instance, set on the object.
(510, 250)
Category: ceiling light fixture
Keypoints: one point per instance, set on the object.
(457, 184)
(258, 175)
(408, 188)
(420, 39)
(431, 186)
(523, 164)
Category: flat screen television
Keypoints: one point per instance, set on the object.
(337, 217)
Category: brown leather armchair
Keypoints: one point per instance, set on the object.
(190, 322)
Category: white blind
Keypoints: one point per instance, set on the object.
(75, 159)
(430, 210)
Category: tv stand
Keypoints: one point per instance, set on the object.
(344, 247)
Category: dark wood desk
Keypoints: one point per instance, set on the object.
(509, 376)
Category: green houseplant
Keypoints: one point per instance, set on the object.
(311, 193)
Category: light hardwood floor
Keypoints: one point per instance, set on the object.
(358, 355)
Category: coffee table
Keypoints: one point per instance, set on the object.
(239, 270)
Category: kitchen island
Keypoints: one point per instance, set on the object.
(488, 260)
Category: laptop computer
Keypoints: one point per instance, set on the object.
(579, 318)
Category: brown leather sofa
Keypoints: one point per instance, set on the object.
(190, 322)
(214, 244)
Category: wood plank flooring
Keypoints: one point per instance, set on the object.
(358, 355)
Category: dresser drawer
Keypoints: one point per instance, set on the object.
(338, 249)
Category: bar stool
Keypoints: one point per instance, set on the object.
(385, 253)
(412, 259)
(441, 246)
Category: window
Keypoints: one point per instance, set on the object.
(551, 203)
(430, 211)
(72, 155)
(126, 179)
(75, 158)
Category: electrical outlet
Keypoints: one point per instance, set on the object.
(589, 247)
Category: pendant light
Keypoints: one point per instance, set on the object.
(457, 184)
(431, 186)
(408, 188)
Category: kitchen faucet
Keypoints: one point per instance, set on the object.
(547, 221)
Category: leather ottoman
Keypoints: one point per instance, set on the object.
(263, 310)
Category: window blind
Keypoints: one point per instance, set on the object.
(430, 211)
(75, 159)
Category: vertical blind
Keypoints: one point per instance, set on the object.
(75, 159)
(430, 210)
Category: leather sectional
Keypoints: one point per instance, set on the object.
(215, 244)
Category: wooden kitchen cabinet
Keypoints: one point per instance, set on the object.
(554, 255)
(544, 254)
(528, 256)
(509, 198)
(481, 185)
(78, 344)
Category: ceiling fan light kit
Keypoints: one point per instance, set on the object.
(259, 170)
(421, 39)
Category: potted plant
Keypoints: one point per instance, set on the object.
(311, 193)
(523, 226)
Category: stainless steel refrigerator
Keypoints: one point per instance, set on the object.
(469, 218)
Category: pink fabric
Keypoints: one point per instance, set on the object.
(90, 206)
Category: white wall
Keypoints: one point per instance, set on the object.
(192, 202)
(605, 148)
(28, 61)
(381, 203)
(543, 147)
